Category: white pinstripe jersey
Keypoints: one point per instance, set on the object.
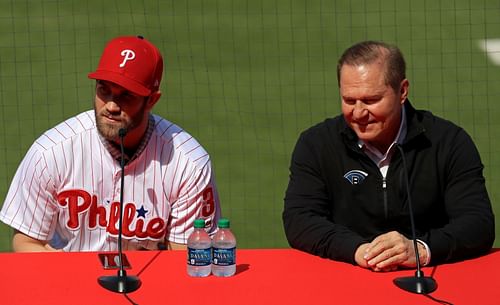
(68, 182)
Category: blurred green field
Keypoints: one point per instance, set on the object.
(245, 77)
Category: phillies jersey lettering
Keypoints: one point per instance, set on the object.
(79, 201)
(69, 184)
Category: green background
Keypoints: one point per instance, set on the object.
(245, 77)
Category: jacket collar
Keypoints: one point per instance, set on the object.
(414, 118)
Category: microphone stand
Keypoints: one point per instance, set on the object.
(419, 283)
(120, 283)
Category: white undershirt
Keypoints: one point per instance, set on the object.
(383, 160)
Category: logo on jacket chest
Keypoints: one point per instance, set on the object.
(355, 176)
(134, 222)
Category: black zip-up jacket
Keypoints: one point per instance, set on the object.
(337, 199)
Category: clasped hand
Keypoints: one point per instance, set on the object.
(388, 252)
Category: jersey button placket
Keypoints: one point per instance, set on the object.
(116, 182)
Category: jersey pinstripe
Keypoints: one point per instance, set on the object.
(69, 183)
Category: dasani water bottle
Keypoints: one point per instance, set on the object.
(199, 255)
(223, 250)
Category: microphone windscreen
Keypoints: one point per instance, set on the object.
(122, 132)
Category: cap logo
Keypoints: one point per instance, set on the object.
(127, 55)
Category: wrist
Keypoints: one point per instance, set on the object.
(424, 253)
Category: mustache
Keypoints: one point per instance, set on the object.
(108, 114)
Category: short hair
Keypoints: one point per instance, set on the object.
(367, 52)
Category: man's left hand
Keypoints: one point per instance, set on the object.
(391, 250)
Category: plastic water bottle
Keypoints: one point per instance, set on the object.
(199, 255)
(224, 250)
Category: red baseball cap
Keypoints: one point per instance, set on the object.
(131, 62)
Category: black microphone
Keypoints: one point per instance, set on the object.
(122, 132)
(418, 283)
(121, 283)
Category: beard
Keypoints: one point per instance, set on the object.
(110, 131)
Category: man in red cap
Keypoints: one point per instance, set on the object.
(66, 193)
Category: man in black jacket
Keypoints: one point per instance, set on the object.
(347, 197)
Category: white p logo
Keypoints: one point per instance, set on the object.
(127, 55)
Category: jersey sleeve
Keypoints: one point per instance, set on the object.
(198, 198)
(29, 205)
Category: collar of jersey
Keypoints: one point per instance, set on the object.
(114, 149)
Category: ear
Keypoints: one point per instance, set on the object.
(153, 99)
(405, 84)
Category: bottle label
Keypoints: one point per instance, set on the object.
(224, 257)
(199, 257)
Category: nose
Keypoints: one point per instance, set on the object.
(112, 106)
(359, 112)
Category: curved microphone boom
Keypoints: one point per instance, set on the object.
(121, 283)
(418, 283)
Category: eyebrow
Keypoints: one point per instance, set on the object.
(368, 97)
(111, 84)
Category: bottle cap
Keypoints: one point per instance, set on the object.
(223, 223)
(199, 223)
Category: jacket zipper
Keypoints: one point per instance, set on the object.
(384, 189)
